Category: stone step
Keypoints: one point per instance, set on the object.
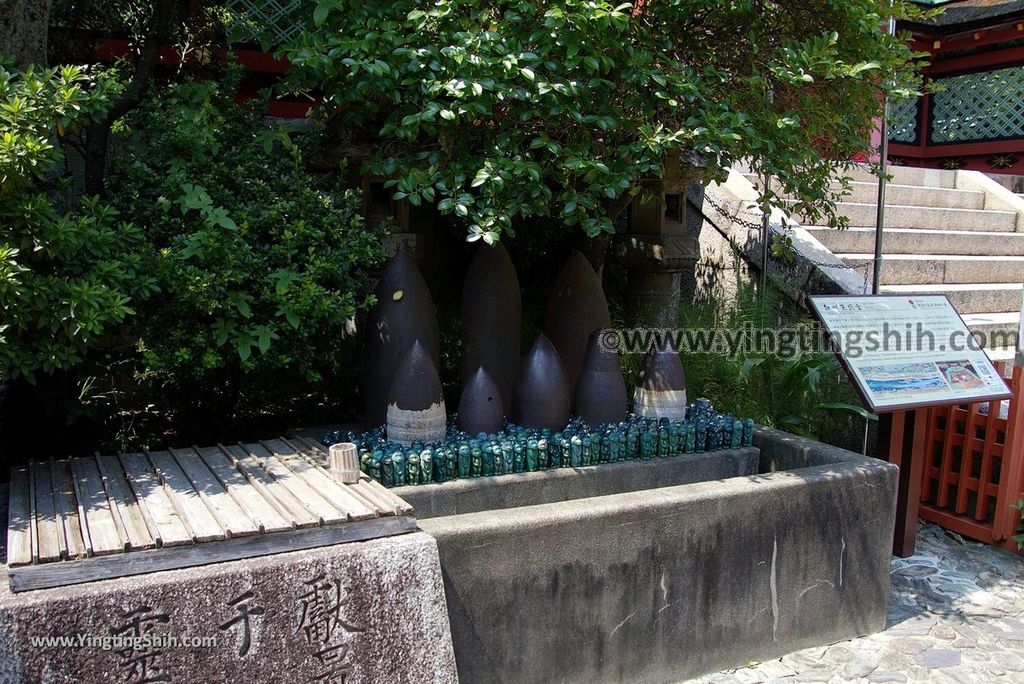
(999, 329)
(970, 298)
(923, 269)
(862, 215)
(902, 195)
(915, 196)
(1001, 354)
(907, 175)
(914, 241)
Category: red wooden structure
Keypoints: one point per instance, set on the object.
(976, 54)
(961, 467)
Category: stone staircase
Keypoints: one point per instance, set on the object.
(957, 233)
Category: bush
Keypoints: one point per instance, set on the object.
(69, 271)
(261, 265)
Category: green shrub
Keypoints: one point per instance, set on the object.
(70, 271)
(262, 265)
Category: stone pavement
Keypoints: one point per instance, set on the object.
(956, 614)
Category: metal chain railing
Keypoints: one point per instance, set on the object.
(720, 207)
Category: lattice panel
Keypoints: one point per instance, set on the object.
(982, 106)
(903, 120)
(268, 21)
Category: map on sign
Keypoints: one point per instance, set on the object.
(908, 351)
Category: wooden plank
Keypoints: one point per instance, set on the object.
(165, 524)
(257, 505)
(987, 459)
(320, 481)
(44, 514)
(94, 509)
(230, 516)
(30, 577)
(124, 503)
(67, 508)
(19, 519)
(942, 494)
(274, 491)
(963, 488)
(401, 505)
(185, 499)
(377, 497)
(317, 505)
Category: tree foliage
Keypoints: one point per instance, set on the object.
(68, 271)
(500, 110)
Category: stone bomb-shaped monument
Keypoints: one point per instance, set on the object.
(601, 390)
(403, 314)
(480, 407)
(576, 308)
(416, 403)
(542, 398)
(661, 386)
(492, 319)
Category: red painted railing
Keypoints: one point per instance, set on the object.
(973, 471)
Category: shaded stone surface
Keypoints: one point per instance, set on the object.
(481, 408)
(492, 318)
(954, 609)
(565, 484)
(542, 398)
(373, 610)
(404, 313)
(601, 390)
(577, 307)
(671, 582)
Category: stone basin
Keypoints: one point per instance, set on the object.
(655, 571)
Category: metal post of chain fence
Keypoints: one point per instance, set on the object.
(765, 219)
(876, 277)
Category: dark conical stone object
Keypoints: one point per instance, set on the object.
(576, 308)
(661, 387)
(601, 390)
(541, 398)
(404, 313)
(492, 318)
(415, 411)
(481, 408)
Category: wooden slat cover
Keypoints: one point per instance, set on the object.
(234, 521)
(125, 506)
(99, 531)
(186, 501)
(320, 480)
(28, 577)
(19, 535)
(259, 507)
(377, 497)
(44, 514)
(320, 507)
(168, 527)
(67, 509)
(275, 491)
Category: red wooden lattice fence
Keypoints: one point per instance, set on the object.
(973, 471)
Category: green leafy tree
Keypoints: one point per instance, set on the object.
(69, 272)
(502, 110)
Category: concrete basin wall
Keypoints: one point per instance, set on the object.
(662, 584)
(564, 484)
